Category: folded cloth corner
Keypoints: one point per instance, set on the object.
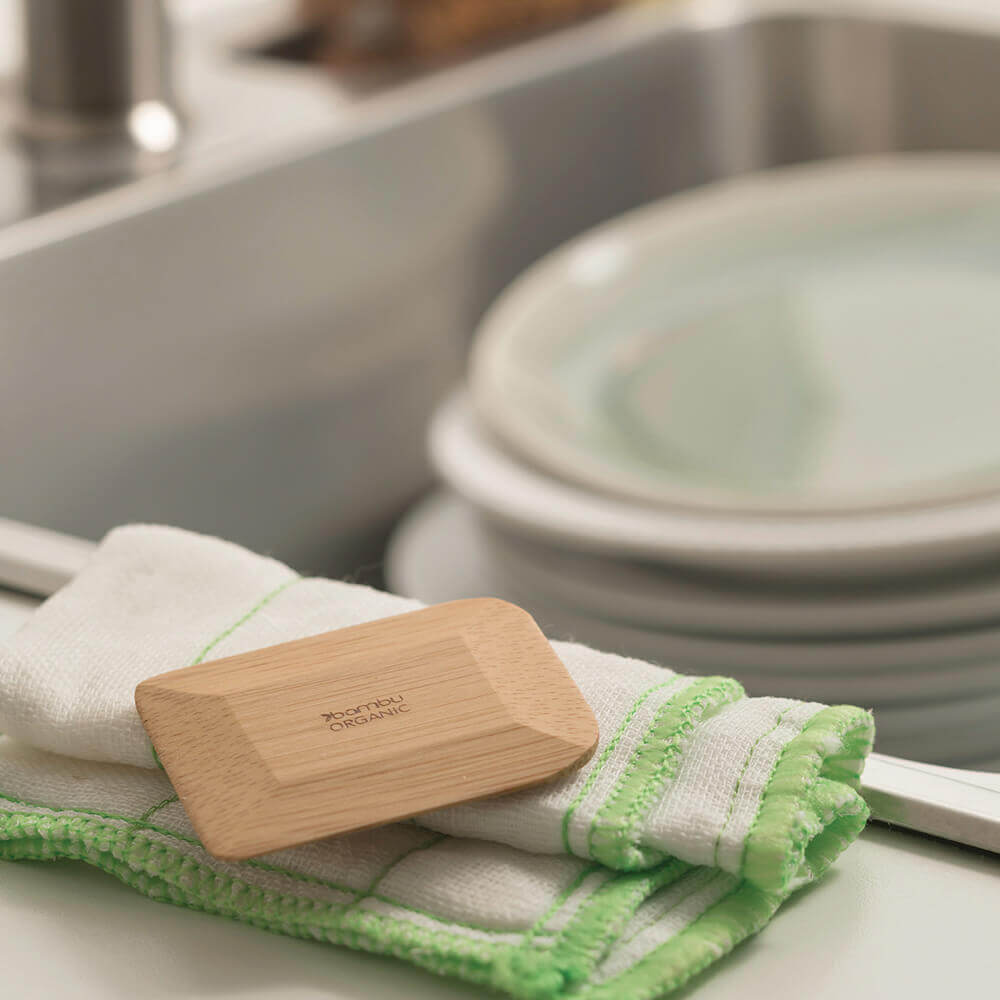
(701, 810)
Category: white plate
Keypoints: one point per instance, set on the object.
(442, 552)
(540, 506)
(814, 673)
(668, 598)
(812, 339)
(437, 554)
(662, 599)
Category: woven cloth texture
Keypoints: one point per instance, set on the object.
(700, 812)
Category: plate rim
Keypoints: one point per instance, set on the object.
(535, 503)
(750, 197)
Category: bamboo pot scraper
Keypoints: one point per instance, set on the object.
(365, 725)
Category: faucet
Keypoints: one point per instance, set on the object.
(95, 101)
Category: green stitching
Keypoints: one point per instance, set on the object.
(796, 823)
(423, 846)
(346, 890)
(580, 946)
(534, 967)
(152, 810)
(608, 921)
(739, 782)
(683, 898)
(610, 837)
(606, 754)
(163, 873)
(560, 901)
(816, 823)
(263, 602)
(533, 933)
(716, 932)
(601, 920)
(433, 916)
(297, 876)
(137, 824)
(131, 820)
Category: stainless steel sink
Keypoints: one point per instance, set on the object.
(251, 342)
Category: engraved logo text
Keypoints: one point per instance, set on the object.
(363, 715)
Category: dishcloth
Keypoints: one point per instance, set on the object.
(701, 810)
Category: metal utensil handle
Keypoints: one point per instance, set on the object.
(39, 561)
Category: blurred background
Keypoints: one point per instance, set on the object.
(297, 273)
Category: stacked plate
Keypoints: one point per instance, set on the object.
(754, 430)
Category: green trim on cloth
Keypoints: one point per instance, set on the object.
(165, 873)
(607, 754)
(537, 968)
(228, 631)
(717, 931)
(809, 811)
(612, 833)
(622, 879)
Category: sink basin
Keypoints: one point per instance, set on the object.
(251, 343)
